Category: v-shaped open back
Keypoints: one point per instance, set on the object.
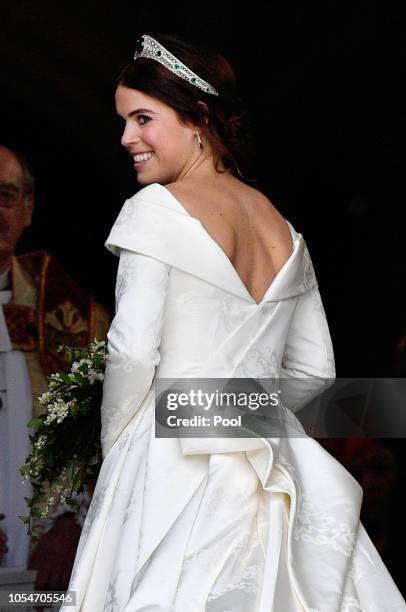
(228, 261)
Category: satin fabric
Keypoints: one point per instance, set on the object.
(216, 525)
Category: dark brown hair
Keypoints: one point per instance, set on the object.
(229, 127)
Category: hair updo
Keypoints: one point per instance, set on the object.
(227, 125)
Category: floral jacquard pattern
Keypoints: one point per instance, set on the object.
(97, 501)
(309, 276)
(127, 217)
(132, 349)
(316, 526)
(260, 363)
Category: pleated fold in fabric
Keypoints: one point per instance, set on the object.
(217, 524)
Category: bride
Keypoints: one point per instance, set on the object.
(212, 282)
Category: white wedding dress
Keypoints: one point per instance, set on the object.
(216, 525)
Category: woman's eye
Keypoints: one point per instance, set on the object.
(144, 117)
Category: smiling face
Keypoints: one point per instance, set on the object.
(153, 127)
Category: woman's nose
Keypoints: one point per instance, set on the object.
(129, 135)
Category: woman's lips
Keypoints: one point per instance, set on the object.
(140, 164)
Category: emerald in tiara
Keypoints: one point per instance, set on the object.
(146, 46)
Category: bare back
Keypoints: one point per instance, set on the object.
(245, 224)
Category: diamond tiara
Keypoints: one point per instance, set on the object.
(146, 46)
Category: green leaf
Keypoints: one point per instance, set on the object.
(35, 422)
(24, 519)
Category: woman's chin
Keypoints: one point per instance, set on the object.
(144, 180)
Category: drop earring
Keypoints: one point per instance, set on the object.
(199, 141)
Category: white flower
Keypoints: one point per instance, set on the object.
(58, 411)
(77, 365)
(40, 442)
(93, 375)
(95, 345)
(45, 398)
(56, 379)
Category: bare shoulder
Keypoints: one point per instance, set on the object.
(261, 203)
(190, 195)
(271, 215)
(228, 196)
(229, 208)
(263, 216)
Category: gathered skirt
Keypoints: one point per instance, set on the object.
(227, 550)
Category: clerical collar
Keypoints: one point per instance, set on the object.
(5, 280)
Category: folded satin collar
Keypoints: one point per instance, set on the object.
(153, 222)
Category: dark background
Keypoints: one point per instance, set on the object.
(324, 82)
(324, 85)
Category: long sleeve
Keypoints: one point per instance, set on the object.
(308, 359)
(133, 340)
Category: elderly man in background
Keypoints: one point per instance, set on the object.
(41, 307)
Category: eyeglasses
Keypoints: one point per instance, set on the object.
(10, 196)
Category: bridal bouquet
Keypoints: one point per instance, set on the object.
(66, 450)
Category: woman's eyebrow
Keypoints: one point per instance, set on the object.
(141, 110)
